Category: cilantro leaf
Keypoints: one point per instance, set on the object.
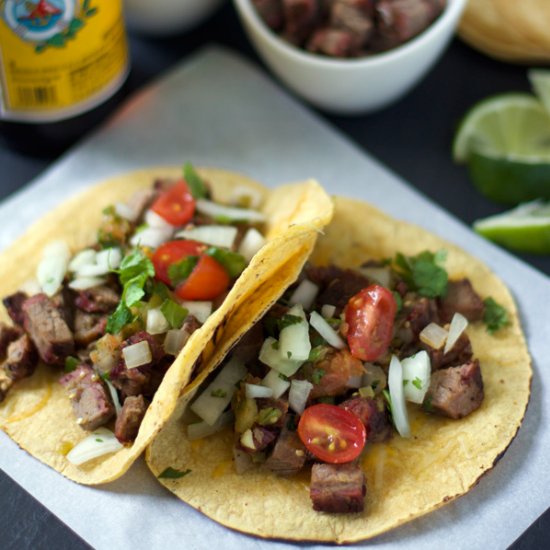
(423, 272)
(417, 383)
(179, 271)
(233, 263)
(174, 313)
(171, 473)
(495, 316)
(398, 300)
(317, 353)
(135, 264)
(71, 363)
(194, 181)
(119, 318)
(317, 375)
(287, 320)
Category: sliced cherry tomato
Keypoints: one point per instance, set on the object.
(171, 252)
(176, 205)
(331, 433)
(207, 281)
(369, 316)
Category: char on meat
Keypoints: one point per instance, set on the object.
(88, 327)
(21, 358)
(337, 488)
(98, 299)
(372, 413)
(129, 419)
(14, 306)
(48, 329)
(456, 391)
(289, 454)
(89, 397)
(7, 335)
(461, 298)
(459, 354)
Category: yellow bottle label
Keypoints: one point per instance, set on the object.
(59, 58)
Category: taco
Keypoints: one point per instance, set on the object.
(345, 388)
(118, 295)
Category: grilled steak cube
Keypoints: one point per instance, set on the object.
(14, 304)
(89, 397)
(354, 17)
(6, 382)
(459, 354)
(129, 419)
(262, 437)
(98, 299)
(461, 298)
(455, 392)
(88, 327)
(7, 335)
(48, 329)
(338, 367)
(289, 454)
(372, 413)
(400, 20)
(300, 18)
(332, 42)
(21, 359)
(419, 313)
(337, 488)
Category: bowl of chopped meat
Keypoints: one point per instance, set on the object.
(350, 56)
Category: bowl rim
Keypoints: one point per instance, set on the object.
(451, 12)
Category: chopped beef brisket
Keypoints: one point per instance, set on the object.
(289, 454)
(372, 413)
(419, 312)
(98, 299)
(262, 437)
(129, 419)
(88, 327)
(21, 358)
(14, 306)
(461, 298)
(7, 335)
(90, 399)
(456, 391)
(48, 329)
(337, 488)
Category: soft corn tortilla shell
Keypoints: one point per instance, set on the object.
(37, 413)
(405, 478)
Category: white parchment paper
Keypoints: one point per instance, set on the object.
(215, 109)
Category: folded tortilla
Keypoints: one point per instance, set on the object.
(37, 413)
(406, 478)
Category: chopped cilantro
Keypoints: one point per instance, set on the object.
(387, 397)
(194, 181)
(135, 264)
(121, 317)
(398, 300)
(329, 400)
(316, 353)
(99, 440)
(283, 377)
(405, 382)
(179, 271)
(287, 320)
(495, 316)
(109, 210)
(161, 290)
(334, 323)
(317, 375)
(71, 363)
(289, 354)
(218, 393)
(171, 473)
(174, 313)
(424, 272)
(427, 404)
(268, 416)
(417, 383)
(232, 262)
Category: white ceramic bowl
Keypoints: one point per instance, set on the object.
(165, 17)
(347, 86)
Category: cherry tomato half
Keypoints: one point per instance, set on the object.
(369, 316)
(207, 281)
(171, 252)
(331, 433)
(176, 205)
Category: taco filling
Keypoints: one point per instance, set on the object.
(328, 371)
(112, 317)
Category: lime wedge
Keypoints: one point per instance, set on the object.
(506, 142)
(525, 228)
(540, 80)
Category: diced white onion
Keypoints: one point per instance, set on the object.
(230, 212)
(151, 237)
(53, 267)
(83, 283)
(156, 322)
(30, 287)
(92, 271)
(355, 381)
(100, 442)
(215, 235)
(326, 331)
(200, 310)
(398, 405)
(298, 395)
(416, 376)
(252, 241)
(253, 391)
(109, 258)
(304, 294)
(125, 211)
(198, 430)
(328, 311)
(214, 399)
(244, 195)
(270, 356)
(277, 384)
(82, 258)
(114, 396)
(136, 355)
(381, 275)
(174, 341)
(433, 335)
(456, 328)
(294, 339)
(247, 440)
(152, 219)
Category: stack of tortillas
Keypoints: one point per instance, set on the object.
(510, 30)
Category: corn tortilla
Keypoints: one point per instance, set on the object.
(37, 413)
(406, 478)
